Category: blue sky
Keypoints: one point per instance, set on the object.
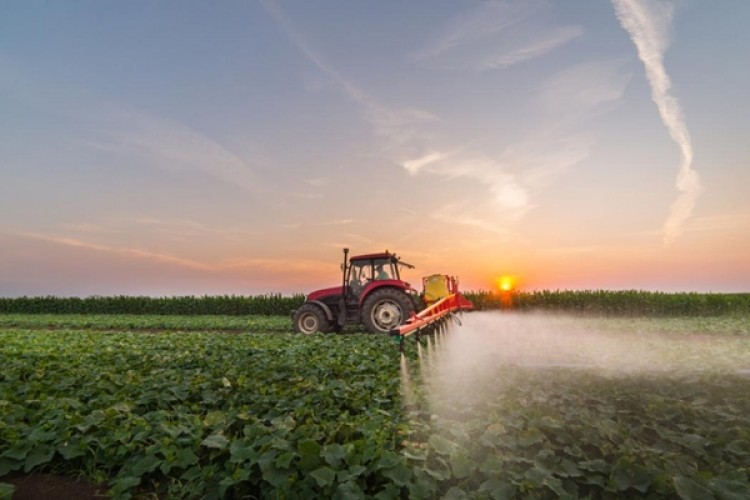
(236, 147)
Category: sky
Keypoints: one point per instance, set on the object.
(236, 147)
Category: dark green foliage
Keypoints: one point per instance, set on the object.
(199, 415)
(560, 433)
(230, 305)
(140, 322)
(615, 303)
(204, 415)
(596, 302)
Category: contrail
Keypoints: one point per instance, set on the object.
(648, 23)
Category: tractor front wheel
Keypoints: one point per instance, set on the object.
(310, 319)
(386, 309)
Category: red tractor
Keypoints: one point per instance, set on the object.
(372, 293)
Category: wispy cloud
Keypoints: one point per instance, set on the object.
(131, 252)
(170, 145)
(496, 35)
(649, 24)
(417, 164)
(581, 90)
(119, 129)
(318, 181)
(397, 127)
(337, 222)
(525, 50)
(260, 264)
(465, 214)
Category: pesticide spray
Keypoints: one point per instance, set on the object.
(516, 400)
(459, 361)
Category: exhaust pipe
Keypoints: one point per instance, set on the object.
(344, 289)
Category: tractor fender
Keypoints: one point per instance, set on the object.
(326, 309)
(378, 284)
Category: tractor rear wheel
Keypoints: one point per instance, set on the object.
(310, 319)
(386, 309)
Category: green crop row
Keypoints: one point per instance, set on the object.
(136, 322)
(199, 415)
(229, 305)
(615, 303)
(598, 302)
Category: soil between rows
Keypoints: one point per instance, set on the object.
(40, 486)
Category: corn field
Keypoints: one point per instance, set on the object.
(615, 303)
(225, 305)
(592, 302)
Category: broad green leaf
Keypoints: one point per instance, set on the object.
(241, 451)
(7, 465)
(497, 489)
(441, 445)
(123, 484)
(325, 476)
(216, 441)
(629, 475)
(37, 456)
(461, 465)
(145, 464)
(6, 491)
(530, 437)
(41, 435)
(596, 465)
(455, 493)
(349, 491)
(333, 454)
(308, 447)
(688, 489)
(214, 418)
(184, 457)
(275, 475)
(400, 474)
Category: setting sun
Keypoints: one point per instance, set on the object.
(506, 283)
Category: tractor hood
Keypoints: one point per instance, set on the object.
(326, 292)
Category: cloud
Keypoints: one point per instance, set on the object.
(97, 124)
(583, 89)
(133, 252)
(414, 166)
(318, 181)
(337, 222)
(496, 35)
(525, 50)
(397, 127)
(171, 145)
(513, 176)
(649, 23)
(465, 214)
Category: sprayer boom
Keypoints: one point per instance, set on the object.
(444, 302)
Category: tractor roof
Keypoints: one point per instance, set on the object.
(384, 255)
(374, 256)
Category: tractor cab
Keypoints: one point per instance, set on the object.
(365, 270)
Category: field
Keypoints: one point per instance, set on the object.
(508, 405)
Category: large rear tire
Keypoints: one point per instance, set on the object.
(386, 309)
(310, 319)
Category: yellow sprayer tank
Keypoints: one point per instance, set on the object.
(435, 288)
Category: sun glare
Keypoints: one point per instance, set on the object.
(506, 283)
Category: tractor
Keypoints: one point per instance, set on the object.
(371, 293)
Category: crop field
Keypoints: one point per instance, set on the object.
(507, 405)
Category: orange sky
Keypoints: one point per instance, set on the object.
(237, 149)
